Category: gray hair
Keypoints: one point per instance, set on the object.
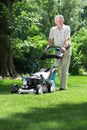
(59, 16)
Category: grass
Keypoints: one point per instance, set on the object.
(62, 110)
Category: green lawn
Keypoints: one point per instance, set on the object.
(62, 110)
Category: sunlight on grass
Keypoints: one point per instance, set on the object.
(65, 110)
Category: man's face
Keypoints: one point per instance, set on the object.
(59, 21)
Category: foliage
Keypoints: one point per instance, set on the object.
(82, 71)
(26, 22)
(71, 10)
(4, 19)
(48, 10)
(28, 41)
(3, 11)
(76, 59)
(29, 52)
(80, 48)
(83, 14)
(31, 23)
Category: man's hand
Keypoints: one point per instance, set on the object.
(46, 49)
(63, 49)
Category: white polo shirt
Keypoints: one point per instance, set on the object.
(59, 35)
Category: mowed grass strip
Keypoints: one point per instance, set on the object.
(62, 110)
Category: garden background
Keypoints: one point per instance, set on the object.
(24, 30)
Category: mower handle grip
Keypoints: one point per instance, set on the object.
(55, 47)
(58, 47)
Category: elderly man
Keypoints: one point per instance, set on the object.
(60, 35)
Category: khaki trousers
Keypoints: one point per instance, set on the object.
(63, 68)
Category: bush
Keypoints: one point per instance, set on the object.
(76, 59)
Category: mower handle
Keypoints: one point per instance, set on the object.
(58, 47)
(57, 56)
(55, 47)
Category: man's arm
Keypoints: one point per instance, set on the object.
(67, 39)
(67, 43)
(51, 36)
(49, 44)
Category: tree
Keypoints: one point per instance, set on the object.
(83, 14)
(27, 39)
(31, 21)
(71, 11)
(6, 60)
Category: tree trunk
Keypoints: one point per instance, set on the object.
(6, 59)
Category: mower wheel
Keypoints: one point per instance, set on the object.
(39, 89)
(51, 87)
(14, 88)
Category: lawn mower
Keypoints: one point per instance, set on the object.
(42, 81)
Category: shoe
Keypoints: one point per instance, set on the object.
(62, 89)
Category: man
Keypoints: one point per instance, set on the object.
(60, 35)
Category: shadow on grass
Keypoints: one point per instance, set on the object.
(5, 85)
(60, 117)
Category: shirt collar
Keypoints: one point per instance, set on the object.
(61, 28)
